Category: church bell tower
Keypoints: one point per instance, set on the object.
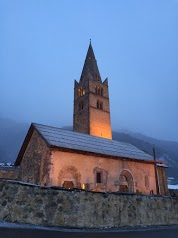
(91, 101)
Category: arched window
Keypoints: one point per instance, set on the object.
(69, 177)
(126, 182)
(98, 90)
(81, 92)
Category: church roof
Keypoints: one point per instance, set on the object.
(90, 68)
(83, 143)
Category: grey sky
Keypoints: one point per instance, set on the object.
(43, 45)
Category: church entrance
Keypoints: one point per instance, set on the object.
(126, 182)
(68, 185)
(69, 177)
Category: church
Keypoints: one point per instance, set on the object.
(87, 157)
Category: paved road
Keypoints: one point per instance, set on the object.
(37, 233)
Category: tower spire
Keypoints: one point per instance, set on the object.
(91, 101)
(90, 69)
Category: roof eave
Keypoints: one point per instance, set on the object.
(24, 145)
(102, 155)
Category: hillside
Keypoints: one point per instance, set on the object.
(12, 135)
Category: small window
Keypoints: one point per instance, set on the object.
(146, 181)
(98, 177)
(101, 105)
(81, 105)
(98, 105)
(101, 91)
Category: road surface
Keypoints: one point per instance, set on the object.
(32, 232)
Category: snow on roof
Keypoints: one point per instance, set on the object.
(162, 165)
(78, 141)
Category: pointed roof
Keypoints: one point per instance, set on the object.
(83, 143)
(90, 68)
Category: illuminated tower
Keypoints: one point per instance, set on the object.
(91, 101)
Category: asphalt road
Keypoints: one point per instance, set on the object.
(37, 233)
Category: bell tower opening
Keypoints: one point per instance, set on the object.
(91, 100)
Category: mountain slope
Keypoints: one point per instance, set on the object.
(163, 151)
(12, 135)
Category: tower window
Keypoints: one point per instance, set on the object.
(99, 90)
(81, 106)
(95, 89)
(99, 105)
(81, 92)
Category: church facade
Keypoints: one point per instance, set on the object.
(87, 157)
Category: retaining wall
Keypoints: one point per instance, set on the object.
(22, 203)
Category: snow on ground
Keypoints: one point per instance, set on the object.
(171, 186)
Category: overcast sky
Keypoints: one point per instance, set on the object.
(43, 44)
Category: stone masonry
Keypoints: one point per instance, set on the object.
(51, 206)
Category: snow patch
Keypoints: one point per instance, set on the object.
(170, 186)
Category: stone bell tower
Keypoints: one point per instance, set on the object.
(91, 101)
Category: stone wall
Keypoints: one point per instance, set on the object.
(9, 173)
(52, 206)
(35, 165)
(173, 192)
